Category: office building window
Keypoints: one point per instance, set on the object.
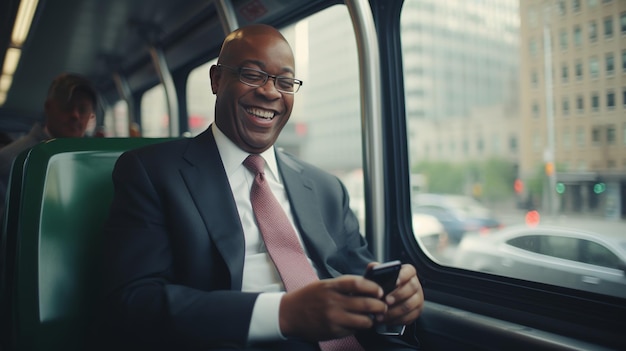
(576, 5)
(608, 27)
(624, 97)
(565, 106)
(563, 39)
(480, 145)
(578, 36)
(593, 31)
(580, 106)
(592, 3)
(595, 136)
(579, 70)
(624, 60)
(610, 135)
(610, 100)
(535, 110)
(562, 7)
(622, 21)
(534, 79)
(594, 67)
(564, 73)
(610, 64)
(624, 134)
(595, 101)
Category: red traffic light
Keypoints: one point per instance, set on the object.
(518, 186)
(532, 218)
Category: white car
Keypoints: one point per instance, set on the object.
(549, 254)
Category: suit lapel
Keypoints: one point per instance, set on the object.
(301, 192)
(208, 186)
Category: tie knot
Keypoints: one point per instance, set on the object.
(254, 163)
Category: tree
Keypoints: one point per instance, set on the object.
(442, 177)
(493, 177)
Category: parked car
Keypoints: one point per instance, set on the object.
(556, 255)
(458, 214)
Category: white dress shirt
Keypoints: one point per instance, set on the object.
(259, 272)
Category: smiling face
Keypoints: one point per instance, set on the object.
(252, 117)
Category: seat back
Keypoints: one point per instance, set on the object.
(59, 197)
(7, 257)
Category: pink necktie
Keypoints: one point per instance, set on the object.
(283, 245)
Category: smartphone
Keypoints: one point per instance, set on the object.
(385, 275)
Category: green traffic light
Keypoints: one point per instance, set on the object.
(560, 188)
(599, 188)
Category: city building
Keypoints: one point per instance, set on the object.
(573, 102)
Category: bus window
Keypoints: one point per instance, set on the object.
(91, 127)
(200, 99)
(325, 125)
(485, 112)
(154, 115)
(116, 120)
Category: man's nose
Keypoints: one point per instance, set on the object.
(271, 89)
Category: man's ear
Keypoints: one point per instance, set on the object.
(215, 74)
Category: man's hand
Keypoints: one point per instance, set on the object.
(334, 308)
(406, 301)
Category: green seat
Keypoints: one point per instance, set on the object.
(7, 257)
(59, 197)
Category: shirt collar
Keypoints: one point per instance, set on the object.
(233, 157)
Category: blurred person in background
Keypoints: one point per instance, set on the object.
(68, 109)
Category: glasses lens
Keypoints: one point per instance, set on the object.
(251, 76)
(257, 78)
(288, 85)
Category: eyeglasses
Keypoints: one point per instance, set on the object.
(256, 78)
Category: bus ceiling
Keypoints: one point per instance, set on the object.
(99, 39)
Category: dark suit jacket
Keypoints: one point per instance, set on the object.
(174, 245)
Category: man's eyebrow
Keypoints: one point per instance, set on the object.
(263, 67)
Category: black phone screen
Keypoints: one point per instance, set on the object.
(385, 274)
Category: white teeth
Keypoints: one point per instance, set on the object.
(261, 113)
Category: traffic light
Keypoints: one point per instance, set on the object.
(549, 168)
(560, 188)
(518, 186)
(599, 188)
(532, 218)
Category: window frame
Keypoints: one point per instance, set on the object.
(480, 293)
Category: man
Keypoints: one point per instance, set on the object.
(185, 264)
(69, 106)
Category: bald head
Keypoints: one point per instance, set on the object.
(253, 115)
(245, 36)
